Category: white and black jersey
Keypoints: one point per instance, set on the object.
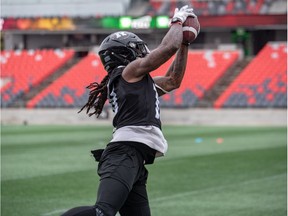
(137, 113)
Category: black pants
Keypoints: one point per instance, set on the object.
(122, 185)
(123, 179)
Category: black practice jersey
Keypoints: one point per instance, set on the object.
(134, 104)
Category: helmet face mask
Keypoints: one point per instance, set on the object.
(141, 49)
(120, 48)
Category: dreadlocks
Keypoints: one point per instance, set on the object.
(97, 97)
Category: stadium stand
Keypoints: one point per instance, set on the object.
(203, 69)
(263, 83)
(220, 7)
(92, 8)
(21, 70)
(69, 89)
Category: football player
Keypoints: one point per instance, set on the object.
(133, 94)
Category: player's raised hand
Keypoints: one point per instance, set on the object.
(182, 14)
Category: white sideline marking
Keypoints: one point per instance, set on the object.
(179, 195)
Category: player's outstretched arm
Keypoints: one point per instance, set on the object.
(174, 76)
(168, 47)
(141, 66)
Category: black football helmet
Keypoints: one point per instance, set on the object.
(120, 48)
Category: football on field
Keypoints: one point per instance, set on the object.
(191, 29)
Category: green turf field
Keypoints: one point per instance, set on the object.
(208, 171)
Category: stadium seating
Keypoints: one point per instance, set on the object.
(69, 89)
(21, 70)
(263, 83)
(220, 7)
(204, 68)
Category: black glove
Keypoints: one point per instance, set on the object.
(97, 154)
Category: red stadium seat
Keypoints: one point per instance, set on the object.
(28, 68)
(69, 90)
(203, 69)
(265, 78)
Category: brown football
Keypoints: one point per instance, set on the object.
(191, 29)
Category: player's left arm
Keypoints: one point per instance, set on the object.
(173, 77)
